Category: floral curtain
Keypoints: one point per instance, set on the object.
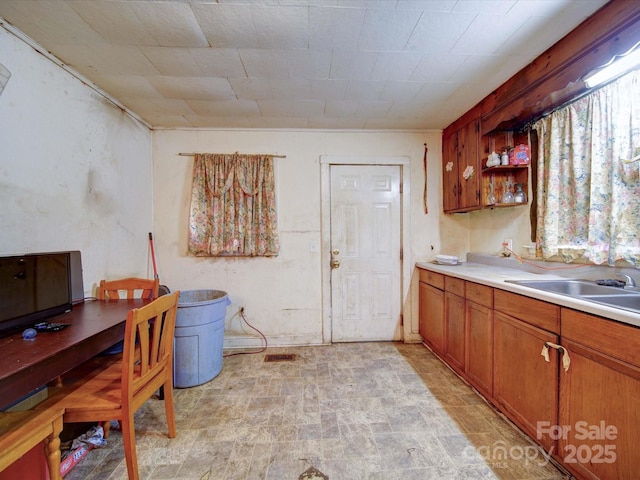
(233, 208)
(588, 177)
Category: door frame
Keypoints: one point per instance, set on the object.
(405, 237)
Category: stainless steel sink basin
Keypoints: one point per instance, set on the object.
(627, 302)
(573, 288)
(589, 291)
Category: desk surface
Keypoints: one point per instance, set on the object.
(26, 365)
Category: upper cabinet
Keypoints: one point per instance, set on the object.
(554, 78)
(461, 166)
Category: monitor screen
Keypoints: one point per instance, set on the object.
(33, 287)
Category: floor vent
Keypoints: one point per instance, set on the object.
(279, 357)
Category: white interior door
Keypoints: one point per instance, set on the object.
(365, 253)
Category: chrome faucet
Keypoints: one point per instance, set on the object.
(630, 282)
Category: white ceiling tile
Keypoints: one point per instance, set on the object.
(293, 26)
(226, 26)
(278, 122)
(297, 63)
(437, 32)
(328, 89)
(436, 91)
(395, 66)
(428, 5)
(353, 65)
(290, 88)
(255, 88)
(49, 22)
(487, 33)
(497, 7)
(401, 91)
(171, 23)
(233, 108)
(193, 88)
(246, 26)
(105, 59)
(116, 22)
(173, 61)
(286, 63)
(288, 108)
(218, 62)
(357, 109)
(335, 28)
(211, 121)
(128, 86)
(365, 89)
(338, 123)
(437, 67)
(387, 30)
(388, 4)
(151, 106)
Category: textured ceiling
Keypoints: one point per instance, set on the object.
(345, 64)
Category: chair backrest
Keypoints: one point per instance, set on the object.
(147, 361)
(110, 290)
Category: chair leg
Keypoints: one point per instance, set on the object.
(169, 408)
(129, 441)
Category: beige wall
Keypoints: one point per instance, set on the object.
(282, 296)
(75, 170)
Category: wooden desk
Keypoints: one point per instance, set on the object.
(26, 365)
(22, 431)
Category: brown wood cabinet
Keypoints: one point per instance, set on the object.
(431, 314)
(599, 422)
(525, 385)
(461, 151)
(479, 337)
(454, 350)
(588, 416)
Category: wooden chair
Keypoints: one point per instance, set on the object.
(110, 290)
(117, 392)
(21, 431)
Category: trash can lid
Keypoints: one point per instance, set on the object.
(189, 298)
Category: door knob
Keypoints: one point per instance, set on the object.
(335, 252)
(335, 263)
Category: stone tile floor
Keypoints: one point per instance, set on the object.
(370, 411)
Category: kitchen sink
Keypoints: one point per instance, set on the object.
(589, 291)
(627, 302)
(573, 288)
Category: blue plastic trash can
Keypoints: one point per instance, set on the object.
(199, 336)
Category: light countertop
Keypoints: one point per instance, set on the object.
(495, 276)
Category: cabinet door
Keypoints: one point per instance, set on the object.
(479, 347)
(450, 172)
(454, 331)
(599, 426)
(432, 316)
(469, 156)
(525, 385)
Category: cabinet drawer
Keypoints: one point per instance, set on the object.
(432, 278)
(535, 312)
(480, 294)
(606, 336)
(454, 285)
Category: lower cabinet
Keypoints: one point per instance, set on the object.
(599, 425)
(525, 384)
(454, 350)
(432, 316)
(479, 347)
(576, 394)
